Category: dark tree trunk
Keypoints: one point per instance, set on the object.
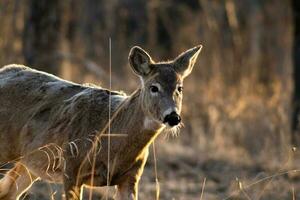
(296, 75)
(42, 35)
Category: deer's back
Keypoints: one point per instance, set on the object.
(23, 89)
(34, 103)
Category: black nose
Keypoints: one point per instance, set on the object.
(172, 119)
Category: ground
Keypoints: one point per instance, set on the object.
(187, 174)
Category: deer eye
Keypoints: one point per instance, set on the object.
(180, 88)
(153, 88)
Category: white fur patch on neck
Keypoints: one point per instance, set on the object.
(151, 124)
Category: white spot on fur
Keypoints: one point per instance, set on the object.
(151, 124)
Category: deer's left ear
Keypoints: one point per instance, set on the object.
(140, 61)
(185, 62)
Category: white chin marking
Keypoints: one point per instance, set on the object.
(168, 126)
(151, 124)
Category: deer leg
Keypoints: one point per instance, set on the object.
(128, 188)
(72, 184)
(127, 191)
(15, 182)
(72, 192)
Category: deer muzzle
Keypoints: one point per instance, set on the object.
(172, 119)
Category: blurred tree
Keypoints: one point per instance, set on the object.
(42, 35)
(296, 58)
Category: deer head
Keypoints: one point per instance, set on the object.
(162, 83)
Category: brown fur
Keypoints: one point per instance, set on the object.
(56, 130)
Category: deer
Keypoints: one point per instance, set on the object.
(63, 132)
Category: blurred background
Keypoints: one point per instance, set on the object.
(240, 103)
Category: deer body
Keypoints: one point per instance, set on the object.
(57, 130)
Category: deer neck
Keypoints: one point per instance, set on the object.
(141, 129)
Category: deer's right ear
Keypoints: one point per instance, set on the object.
(140, 61)
(185, 62)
